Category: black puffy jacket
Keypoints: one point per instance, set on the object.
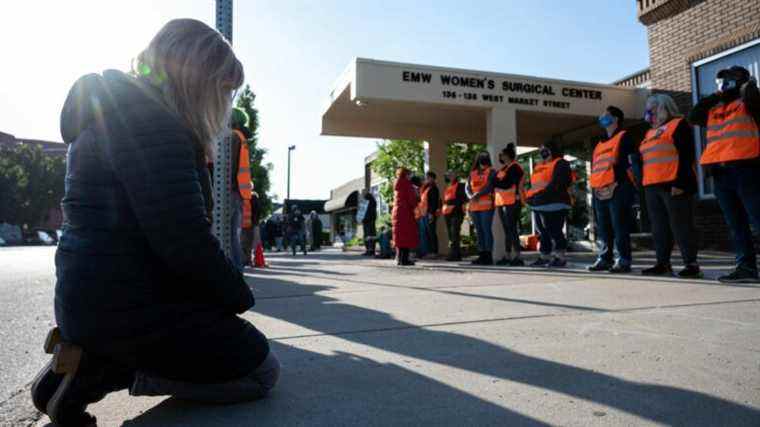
(140, 278)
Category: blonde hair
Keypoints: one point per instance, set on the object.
(197, 73)
(666, 107)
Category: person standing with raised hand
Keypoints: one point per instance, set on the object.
(731, 155)
(509, 191)
(613, 191)
(479, 189)
(550, 199)
(670, 183)
(145, 298)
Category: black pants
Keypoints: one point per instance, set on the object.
(370, 233)
(454, 229)
(550, 229)
(246, 241)
(510, 220)
(432, 233)
(672, 216)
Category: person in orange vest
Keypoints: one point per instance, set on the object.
(240, 184)
(613, 194)
(429, 208)
(550, 200)
(479, 190)
(454, 201)
(670, 183)
(731, 156)
(509, 191)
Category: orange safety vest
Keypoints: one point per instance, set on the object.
(244, 180)
(732, 134)
(479, 181)
(542, 176)
(422, 207)
(604, 160)
(449, 196)
(510, 196)
(659, 154)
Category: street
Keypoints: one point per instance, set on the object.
(365, 343)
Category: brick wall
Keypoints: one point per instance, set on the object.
(676, 41)
(688, 31)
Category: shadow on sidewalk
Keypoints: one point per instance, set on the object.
(349, 388)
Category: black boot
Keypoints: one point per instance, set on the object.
(488, 258)
(405, 257)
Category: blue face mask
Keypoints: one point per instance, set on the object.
(606, 121)
(649, 117)
(725, 85)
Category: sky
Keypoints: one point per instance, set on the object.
(294, 50)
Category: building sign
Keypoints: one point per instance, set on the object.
(495, 91)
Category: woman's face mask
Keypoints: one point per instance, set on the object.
(606, 120)
(724, 85)
(545, 153)
(650, 116)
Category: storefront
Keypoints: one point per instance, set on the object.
(380, 99)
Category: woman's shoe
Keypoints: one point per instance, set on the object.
(503, 261)
(658, 270)
(79, 387)
(517, 262)
(540, 262)
(487, 259)
(479, 259)
(620, 269)
(558, 262)
(691, 272)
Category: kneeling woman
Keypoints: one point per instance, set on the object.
(145, 298)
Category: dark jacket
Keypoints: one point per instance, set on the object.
(751, 97)
(141, 280)
(557, 190)
(433, 199)
(511, 178)
(371, 215)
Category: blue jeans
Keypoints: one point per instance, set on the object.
(738, 193)
(422, 227)
(614, 217)
(550, 233)
(483, 221)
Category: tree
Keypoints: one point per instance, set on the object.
(31, 183)
(259, 169)
(396, 153)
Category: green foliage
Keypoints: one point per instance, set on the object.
(396, 153)
(31, 183)
(259, 169)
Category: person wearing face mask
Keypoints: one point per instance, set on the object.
(550, 200)
(731, 155)
(670, 183)
(508, 183)
(454, 201)
(479, 190)
(613, 193)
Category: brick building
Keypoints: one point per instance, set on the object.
(689, 41)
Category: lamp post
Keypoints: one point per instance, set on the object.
(290, 148)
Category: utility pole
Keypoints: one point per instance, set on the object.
(290, 148)
(223, 156)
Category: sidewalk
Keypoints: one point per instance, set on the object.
(366, 343)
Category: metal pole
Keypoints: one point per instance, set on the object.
(289, 150)
(223, 157)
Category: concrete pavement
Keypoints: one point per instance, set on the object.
(365, 343)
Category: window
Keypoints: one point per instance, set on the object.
(703, 83)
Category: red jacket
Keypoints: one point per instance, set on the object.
(405, 234)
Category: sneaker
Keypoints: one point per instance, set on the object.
(740, 275)
(658, 270)
(517, 262)
(558, 262)
(540, 262)
(620, 269)
(599, 266)
(480, 259)
(487, 259)
(503, 261)
(691, 272)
